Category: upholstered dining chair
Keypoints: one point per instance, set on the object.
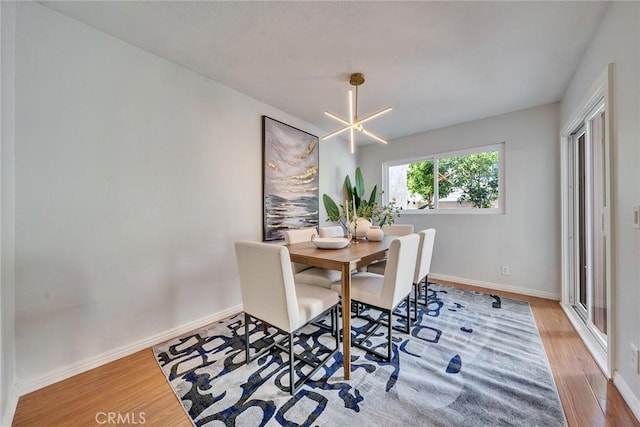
(397, 229)
(423, 265)
(304, 273)
(271, 295)
(386, 292)
(389, 230)
(423, 262)
(333, 231)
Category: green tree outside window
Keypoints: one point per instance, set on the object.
(474, 175)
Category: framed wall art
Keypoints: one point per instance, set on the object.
(290, 179)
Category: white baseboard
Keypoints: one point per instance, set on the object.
(496, 286)
(10, 410)
(117, 353)
(627, 394)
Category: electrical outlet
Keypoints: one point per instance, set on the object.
(505, 270)
(634, 358)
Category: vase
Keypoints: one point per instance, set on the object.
(361, 230)
(375, 233)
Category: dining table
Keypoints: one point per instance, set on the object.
(357, 254)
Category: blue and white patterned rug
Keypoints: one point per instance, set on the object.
(472, 360)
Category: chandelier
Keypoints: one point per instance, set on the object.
(354, 123)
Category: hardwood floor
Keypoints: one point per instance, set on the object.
(135, 389)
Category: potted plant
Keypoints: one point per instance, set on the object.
(367, 209)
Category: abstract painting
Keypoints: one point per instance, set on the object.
(290, 179)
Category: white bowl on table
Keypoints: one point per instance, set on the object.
(330, 242)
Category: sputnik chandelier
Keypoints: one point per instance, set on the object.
(355, 123)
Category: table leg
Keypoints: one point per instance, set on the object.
(346, 319)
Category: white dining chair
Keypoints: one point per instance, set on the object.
(270, 295)
(389, 230)
(397, 229)
(386, 292)
(332, 231)
(423, 265)
(311, 275)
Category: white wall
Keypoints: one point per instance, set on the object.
(526, 238)
(134, 177)
(8, 394)
(618, 41)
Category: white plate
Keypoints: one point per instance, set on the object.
(330, 242)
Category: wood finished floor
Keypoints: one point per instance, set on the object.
(135, 387)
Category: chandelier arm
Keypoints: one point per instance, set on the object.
(374, 136)
(336, 132)
(352, 144)
(374, 115)
(333, 116)
(351, 105)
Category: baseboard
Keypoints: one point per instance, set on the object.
(12, 403)
(627, 394)
(496, 286)
(110, 356)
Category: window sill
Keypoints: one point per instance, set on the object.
(452, 212)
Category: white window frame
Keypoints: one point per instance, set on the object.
(499, 147)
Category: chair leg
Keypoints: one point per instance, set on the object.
(294, 386)
(389, 313)
(415, 301)
(358, 342)
(424, 282)
(409, 313)
(246, 338)
(292, 380)
(407, 316)
(336, 326)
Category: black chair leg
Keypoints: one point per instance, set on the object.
(415, 302)
(292, 378)
(246, 338)
(336, 326)
(408, 314)
(280, 344)
(389, 313)
(425, 282)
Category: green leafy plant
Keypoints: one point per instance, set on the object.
(366, 207)
(386, 214)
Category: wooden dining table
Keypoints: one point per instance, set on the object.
(358, 254)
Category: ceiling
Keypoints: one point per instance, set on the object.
(435, 63)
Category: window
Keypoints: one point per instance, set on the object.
(469, 181)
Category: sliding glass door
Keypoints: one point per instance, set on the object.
(588, 293)
(587, 279)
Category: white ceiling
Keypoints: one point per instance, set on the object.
(435, 63)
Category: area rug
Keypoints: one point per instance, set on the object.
(471, 359)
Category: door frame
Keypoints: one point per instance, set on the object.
(602, 89)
